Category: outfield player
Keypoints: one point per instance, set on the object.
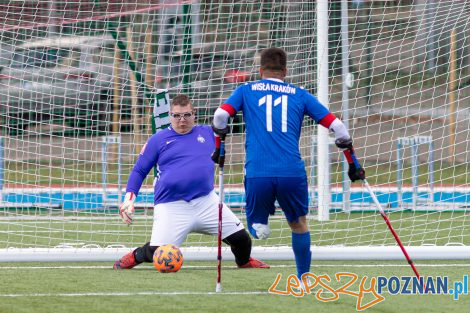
(273, 112)
(184, 196)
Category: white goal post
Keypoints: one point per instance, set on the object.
(79, 80)
(62, 254)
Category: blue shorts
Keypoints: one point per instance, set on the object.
(261, 192)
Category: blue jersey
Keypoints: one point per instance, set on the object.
(273, 113)
(186, 170)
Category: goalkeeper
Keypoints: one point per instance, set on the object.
(273, 112)
(184, 196)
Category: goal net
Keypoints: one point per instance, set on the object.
(79, 81)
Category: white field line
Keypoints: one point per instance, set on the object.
(227, 267)
(280, 219)
(158, 293)
(129, 294)
(60, 231)
(143, 233)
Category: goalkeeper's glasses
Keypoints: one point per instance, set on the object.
(184, 115)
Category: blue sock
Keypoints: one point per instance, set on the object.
(303, 255)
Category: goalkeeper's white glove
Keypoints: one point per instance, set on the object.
(126, 210)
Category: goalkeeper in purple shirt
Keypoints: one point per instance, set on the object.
(184, 195)
(273, 112)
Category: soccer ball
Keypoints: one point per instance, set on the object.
(168, 259)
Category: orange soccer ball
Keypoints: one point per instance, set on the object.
(168, 259)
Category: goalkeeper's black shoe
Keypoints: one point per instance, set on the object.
(254, 263)
(126, 262)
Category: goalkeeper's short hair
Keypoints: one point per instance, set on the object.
(181, 100)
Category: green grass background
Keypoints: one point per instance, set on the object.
(354, 229)
(60, 288)
(77, 173)
(24, 288)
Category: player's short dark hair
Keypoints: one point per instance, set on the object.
(181, 100)
(274, 59)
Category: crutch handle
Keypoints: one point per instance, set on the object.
(222, 153)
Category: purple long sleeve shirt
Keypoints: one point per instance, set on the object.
(186, 170)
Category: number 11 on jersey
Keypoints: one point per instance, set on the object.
(268, 100)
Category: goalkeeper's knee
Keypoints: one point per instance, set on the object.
(240, 244)
(145, 253)
(260, 231)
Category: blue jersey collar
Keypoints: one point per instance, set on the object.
(275, 79)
